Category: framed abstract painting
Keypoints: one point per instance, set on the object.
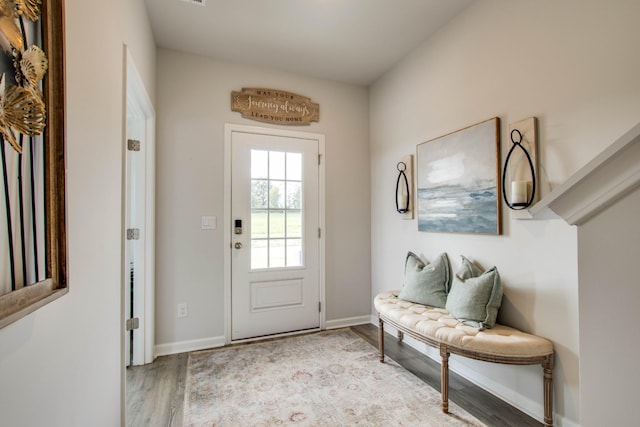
(458, 181)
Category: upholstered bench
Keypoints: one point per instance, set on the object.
(436, 327)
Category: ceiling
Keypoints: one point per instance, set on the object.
(351, 41)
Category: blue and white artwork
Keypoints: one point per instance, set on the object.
(458, 188)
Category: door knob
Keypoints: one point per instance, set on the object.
(238, 245)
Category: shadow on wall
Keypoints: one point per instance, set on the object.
(517, 310)
(565, 375)
(517, 307)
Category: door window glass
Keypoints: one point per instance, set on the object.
(276, 209)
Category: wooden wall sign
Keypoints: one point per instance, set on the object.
(275, 106)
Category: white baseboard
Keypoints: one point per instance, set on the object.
(205, 343)
(186, 346)
(345, 323)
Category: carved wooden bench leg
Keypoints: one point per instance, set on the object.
(547, 367)
(444, 378)
(381, 338)
(400, 336)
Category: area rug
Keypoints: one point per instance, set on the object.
(331, 378)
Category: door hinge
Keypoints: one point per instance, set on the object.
(319, 233)
(319, 159)
(319, 307)
(133, 234)
(133, 145)
(132, 324)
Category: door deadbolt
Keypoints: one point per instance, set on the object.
(238, 245)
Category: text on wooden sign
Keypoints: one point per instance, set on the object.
(275, 106)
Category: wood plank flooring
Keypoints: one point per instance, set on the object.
(155, 392)
(478, 402)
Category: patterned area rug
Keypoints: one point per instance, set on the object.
(331, 378)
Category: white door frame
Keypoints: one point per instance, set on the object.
(229, 128)
(136, 92)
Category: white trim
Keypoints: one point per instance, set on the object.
(601, 182)
(323, 228)
(226, 220)
(227, 229)
(346, 322)
(134, 88)
(189, 345)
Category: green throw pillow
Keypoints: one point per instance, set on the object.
(475, 296)
(426, 284)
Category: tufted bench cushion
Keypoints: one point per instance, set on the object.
(438, 328)
(443, 327)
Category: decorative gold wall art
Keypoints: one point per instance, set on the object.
(275, 106)
(32, 117)
(21, 105)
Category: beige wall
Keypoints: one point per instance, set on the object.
(61, 366)
(609, 295)
(569, 64)
(193, 106)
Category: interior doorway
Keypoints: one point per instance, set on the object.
(138, 263)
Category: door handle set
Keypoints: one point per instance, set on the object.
(237, 230)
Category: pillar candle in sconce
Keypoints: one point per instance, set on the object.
(404, 187)
(520, 165)
(403, 198)
(519, 192)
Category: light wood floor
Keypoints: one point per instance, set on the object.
(155, 392)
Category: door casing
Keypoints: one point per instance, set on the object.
(227, 220)
(135, 92)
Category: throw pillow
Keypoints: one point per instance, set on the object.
(475, 295)
(426, 284)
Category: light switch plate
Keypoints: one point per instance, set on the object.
(209, 222)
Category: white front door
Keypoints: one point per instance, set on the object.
(275, 233)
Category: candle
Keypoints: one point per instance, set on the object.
(402, 201)
(519, 192)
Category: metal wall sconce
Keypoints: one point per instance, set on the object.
(404, 187)
(520, 165)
